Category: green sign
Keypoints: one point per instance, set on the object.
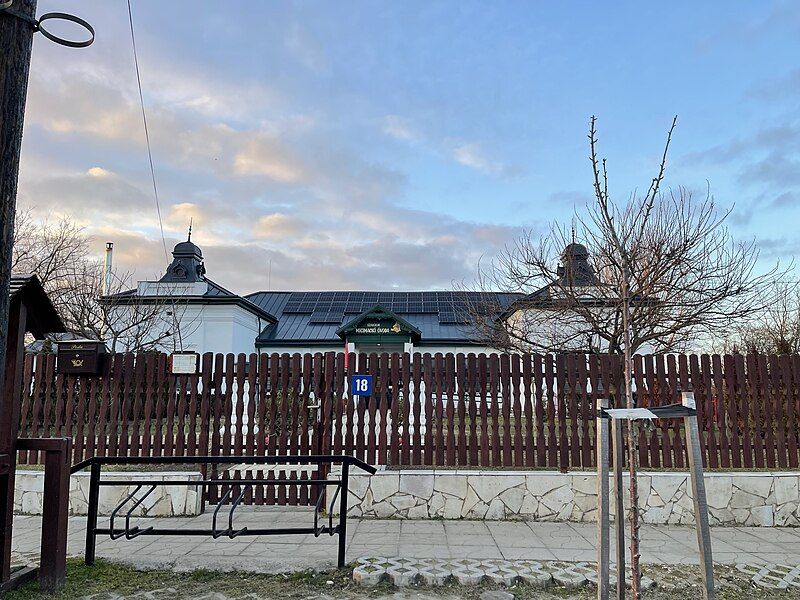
(379, 328)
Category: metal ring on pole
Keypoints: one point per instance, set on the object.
(62, 41)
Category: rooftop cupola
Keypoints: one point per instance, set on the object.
(575, 269)
(187, 263)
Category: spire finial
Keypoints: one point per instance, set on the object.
(573, 231)
(189, 239)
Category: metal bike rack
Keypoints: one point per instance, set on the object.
(129, 532)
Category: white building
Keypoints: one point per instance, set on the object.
(185, 310)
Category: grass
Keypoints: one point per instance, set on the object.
(114, 580)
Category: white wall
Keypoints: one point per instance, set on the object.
(225, 328)
(301, 349)
(220, 328)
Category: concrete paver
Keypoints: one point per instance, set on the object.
(483, 540)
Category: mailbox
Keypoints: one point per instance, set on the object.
(81, 357)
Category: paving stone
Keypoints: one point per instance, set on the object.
(368, 574)
(402, 572)
(496, 595)
(434, 571)
(569, 575)
(501, 572)
(533, 573)
(468, 571)
(773, 576)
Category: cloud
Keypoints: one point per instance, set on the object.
(265, 158)
(400, 128)
(467, 153)
(778, 89)
(262, 181)
(278, 226)
(305, 48)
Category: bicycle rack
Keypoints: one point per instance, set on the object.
(129, 532)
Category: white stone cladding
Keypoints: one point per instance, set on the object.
(761, 499)
(165, 501)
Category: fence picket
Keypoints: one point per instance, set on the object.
(446, 410)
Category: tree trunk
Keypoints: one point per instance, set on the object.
(631, 445)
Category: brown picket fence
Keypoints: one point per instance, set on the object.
(445, 410)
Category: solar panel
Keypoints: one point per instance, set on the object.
(327, 316)
(452, 317)
(354, 307)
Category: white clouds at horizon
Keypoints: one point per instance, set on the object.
(379, 146)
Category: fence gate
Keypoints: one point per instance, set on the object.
(269, 405)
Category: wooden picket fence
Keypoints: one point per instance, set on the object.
(443, 410)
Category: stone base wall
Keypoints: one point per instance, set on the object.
(758, 499)
(165, 501)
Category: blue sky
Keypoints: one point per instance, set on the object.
(374, 145)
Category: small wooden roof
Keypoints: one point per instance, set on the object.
(42, 317)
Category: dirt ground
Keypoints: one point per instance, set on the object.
(107, 581)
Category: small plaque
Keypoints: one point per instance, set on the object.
(631, 413)
(361, 385)
(185, 363)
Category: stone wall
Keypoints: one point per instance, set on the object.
(165, 501)
(759, 499)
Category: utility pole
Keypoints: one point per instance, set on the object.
(16, 41)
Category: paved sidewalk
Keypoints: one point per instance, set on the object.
(401, 539)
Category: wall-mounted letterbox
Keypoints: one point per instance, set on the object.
(81, 357)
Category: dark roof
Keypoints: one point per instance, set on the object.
(439, 316)
(42, 317)
(187, 264)
(215, 294)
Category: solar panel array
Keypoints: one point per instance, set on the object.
(323, 315)
(330, 307)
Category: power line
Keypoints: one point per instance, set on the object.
(175, 327)
(146, 131)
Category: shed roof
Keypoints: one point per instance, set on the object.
(42, 317)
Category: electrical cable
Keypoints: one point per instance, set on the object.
(152, 168)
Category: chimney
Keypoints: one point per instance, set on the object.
(107, 268)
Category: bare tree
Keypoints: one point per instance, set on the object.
(58, 253)
(54, 251)
(667, 259)
(126, 324)
(773, 330)
(658, 270)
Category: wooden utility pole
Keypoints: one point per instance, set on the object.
(16, 41)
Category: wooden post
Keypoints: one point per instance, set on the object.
(53, 567)
(603, 570)
(699, 496)
(619, 508)
(55, 510)
(10, 403)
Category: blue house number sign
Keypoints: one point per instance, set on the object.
(361, 385)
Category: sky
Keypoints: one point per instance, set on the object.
(395, 145)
